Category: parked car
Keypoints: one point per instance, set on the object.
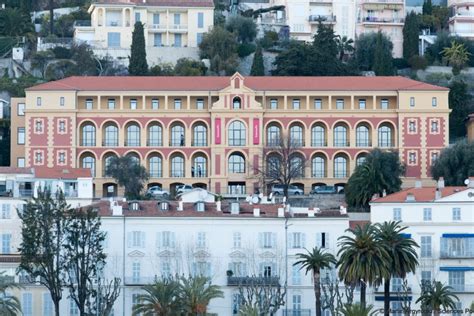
(279, 189)
(157, 191)
(324, 189)
(183, 188)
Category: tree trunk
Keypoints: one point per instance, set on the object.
(51, 18)
(56, 307)
(362, 294)
(386, 297)
(317, 292)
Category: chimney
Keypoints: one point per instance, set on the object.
(310, 212)
(418, 184)
(256, 212)
(440, 183)
(343, 210)
(410, 197)
(384, 193)
(281, 212)
(116, 208)
(180, 205)
(218, 206)
(437, 194)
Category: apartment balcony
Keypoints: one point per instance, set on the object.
(157, 28)
(248, 280)
(462, 288)
(25, 193)
(394, 289)
(456, 255)
(178, 28)
(327, 19)
(139, 281)
(296, 312)
(384, 21)
(273, 21)
(83, 25)
(321, 1)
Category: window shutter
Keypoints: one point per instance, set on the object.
(444, 246)
(274, 235)
(274, 269)
(260, 240)
(129, 239)
(142, 239)
(172, 240)
(328, 244)
(291, 240)
(158, 240)
(208, 269)
(194, 269)
(303, 240)
(318, 240)
(261, 271)
(244, 269)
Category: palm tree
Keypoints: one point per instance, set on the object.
(361, 259)
(436, 296)
(9, 305)
(161, 299)
(357, 310)
(402, 254)
(14, 22)
(457, 56)
(345, 46)
(314, 261)
(196, 293)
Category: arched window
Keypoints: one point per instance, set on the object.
(236, 163)
(236, 103)
(199, 168)
(360, 159)
(318, 166)
(274, 166)
(106, 164)
(177, 167)
(155, 167)
(340, 167)
(296, 135)
(362, 136)
(88, 162)
(133, 135)
(273, 135)
(385, 136)
(237, 133)
(340, 136)
(296, 166)
(200, 135)
(135, 157)
(155, 135)
(88, 135)
(111, 135)
(177, 135)
(318, 136)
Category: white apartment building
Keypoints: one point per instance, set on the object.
(461, 21)
(173, 29)
(441, 221)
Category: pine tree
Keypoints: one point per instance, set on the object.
(138, 65)
(258, 69)
(383, 63)
(410, 35)
(427, 7)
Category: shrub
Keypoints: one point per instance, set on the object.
(418, 62)
(245, 49)
(400, 63)
(62, 52)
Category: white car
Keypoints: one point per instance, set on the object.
(183, 188)
(157, 191)
(279, 189)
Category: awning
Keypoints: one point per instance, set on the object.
(456, 268)
(458, 236)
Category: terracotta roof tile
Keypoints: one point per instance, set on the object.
(13, 170)
(420, 194)
(62, 173)
(218, 83)
(162, 3)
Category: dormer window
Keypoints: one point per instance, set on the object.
(200, 207)
(236, 103)
(134, 206)
(234, 208)
(164, 206)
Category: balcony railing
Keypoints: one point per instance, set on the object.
(82, 23)
(462, 288)
(139, 280)
(158, 26)
(154, 143)
(297, 312)
(341, 144)
(177, 174)
(259, 280)
(110, 143)
(26, 192)
(364, 144)
(177, 143)
(180, 27)
(197, 174)
(322, 18)
(25, 279)
(373, 19)
(446, 254)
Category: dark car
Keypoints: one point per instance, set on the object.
(324, 189)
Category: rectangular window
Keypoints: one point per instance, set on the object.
(267, 240)
(362, 104)
(6, 243)
(113, 39)
(111, 104)
(297, 304)
(456, 280)
(434, 101)
(5, 211)
(133, 104)
(135, 300)
(177, 104)
(165, 268)
(21, 162)
(434, 127)
(200, 20)
(296, 104)
(425, 276)
(62, 126)
(412, 101)
(136, 239)
(384, 104)
(201, 240)
(456, 213)
(237, 240)
(322, 240)
(62, 158)
(157, 40)
(61, 101)
(156, 18)
(425, 247)
(155, 104)
(137, 17)
(297, 240)
(397, 214)
(318, 104)
(340, 104)
(273, 104)
(27, 304)
(199, 37)
(38, 101)
(296, 274)
(21, 109)
(21, 135)
(73, 309)
(427, 214)
(177, 40)
(89, 104)
(412, 127)
(200, 104)
(136, 267)
(177, 19)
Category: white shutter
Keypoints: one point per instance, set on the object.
(244, 269)
(303, 240)
(274, 240)
(328, 244)
(158, 240)
(318, 240)
(129, 239)
(291, 240)
(260, 240)
(172, 240)
(444, 246)
(208, 269)
(261, 269)
(142, 239)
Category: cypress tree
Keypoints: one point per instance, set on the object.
(427, 7)
(383, 63)
(410, 35)
(138, 65)
(258, 69)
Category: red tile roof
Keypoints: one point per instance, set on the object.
(150, 209)
(162, 3)
(354, 224)
(12, 170)
(49, 173)
(218, 83)
(420, 194)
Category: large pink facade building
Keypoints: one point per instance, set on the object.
(213, 131)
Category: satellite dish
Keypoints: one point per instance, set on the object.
(466, 182)
(255, 199)
(248, 198)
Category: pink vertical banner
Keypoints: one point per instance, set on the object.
(256, 131)
(218, 130)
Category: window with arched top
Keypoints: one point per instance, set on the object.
(133, 135)
(155, 135)
(200, 135)
(296, 135)
(274, 166)
(88, 162)
(273, 135)
(135, 158)
(199, 168)
(237, 134)
(385, 136)
(177, 167)
(318, 136)
(296, 166)
(110, 135)
(318, 166)
(360, 159)
(155, 167)
(236, 103)
(340, 136)
(236, 163)
(88, 135)
(363, 136)
(177, 135)
(340, 166)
